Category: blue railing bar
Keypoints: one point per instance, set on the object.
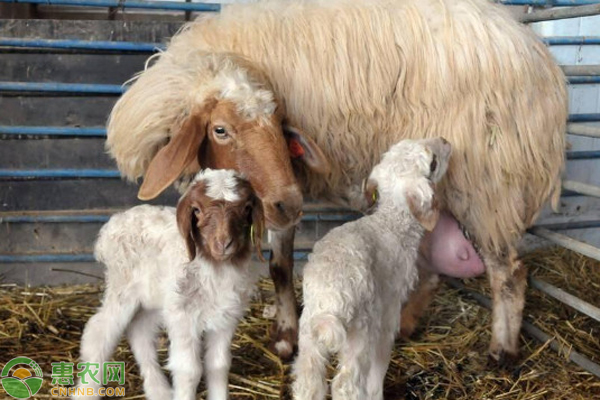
(554, 3)
(45, 258)
(81, 45)
(149, 5)
(583, 155)
(571, 40)
(584, 117)
(52, 131)
(59, 173)
(93, 88)
(581, 80)
(95, 218)
(584, 130)
(76, 88)
(87, 257)
(563, 226)
(30, 219)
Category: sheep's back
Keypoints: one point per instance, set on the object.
(358, 76)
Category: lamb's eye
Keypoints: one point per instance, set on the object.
(434, 163)
(220, 132)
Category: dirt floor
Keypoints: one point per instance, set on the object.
(446, 359)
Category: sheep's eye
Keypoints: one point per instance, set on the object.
(434, 164)
(220, 132)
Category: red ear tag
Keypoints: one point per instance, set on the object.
(296, 149)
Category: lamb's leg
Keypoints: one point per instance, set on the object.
(217, 362)
(381, 352)
(350, 380)
(284, 332)
(417, 303)
(185, 354)
(310, 369)
(142, 337)
(508, 282)
(102, 333)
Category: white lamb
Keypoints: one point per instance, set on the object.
(360, 274)
(150, 281)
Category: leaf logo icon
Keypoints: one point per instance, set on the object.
(21, 383)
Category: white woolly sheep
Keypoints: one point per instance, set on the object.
(360, 274)
(359, 75)
(150, 281)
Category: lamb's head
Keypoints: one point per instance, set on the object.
(406, 177)
(234, 121)
(220, 217)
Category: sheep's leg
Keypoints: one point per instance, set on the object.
(284, 332)
(217, 362)
(310, 369)
(185, 354)
(142, 337)
(419, 300)
(508, 282)
(102, 333)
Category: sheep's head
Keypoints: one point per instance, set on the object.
(407, 175)
(220, 217)
(236, 123)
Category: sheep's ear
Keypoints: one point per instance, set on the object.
(424, 206)
(371, 194)
(186, 222)
(170, 161)
(304, 148)
(258, 227)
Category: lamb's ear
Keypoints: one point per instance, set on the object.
(306, 149)
(258, 227)
(371, 194)
(186, 222)
(424, 206)
(170, 161)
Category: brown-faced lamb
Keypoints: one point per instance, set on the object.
(150, 281)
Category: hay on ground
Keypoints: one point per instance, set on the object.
(447, 358)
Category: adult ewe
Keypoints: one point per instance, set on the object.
(359, 75)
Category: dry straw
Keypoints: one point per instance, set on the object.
(446, 359)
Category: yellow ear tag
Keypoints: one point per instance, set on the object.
(375, 195)
(252, 234)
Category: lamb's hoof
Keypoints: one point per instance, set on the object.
(504, 359)
(284, 342)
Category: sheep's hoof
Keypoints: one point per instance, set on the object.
(503, 359)
(284, 342)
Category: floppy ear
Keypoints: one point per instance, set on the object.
(258, 227)
(371, 194)
(424, 206)
(175, 156)
(186, 222)
(306, 149)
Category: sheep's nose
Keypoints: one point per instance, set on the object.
(223, 245)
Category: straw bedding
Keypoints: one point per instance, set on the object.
(447, 358)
